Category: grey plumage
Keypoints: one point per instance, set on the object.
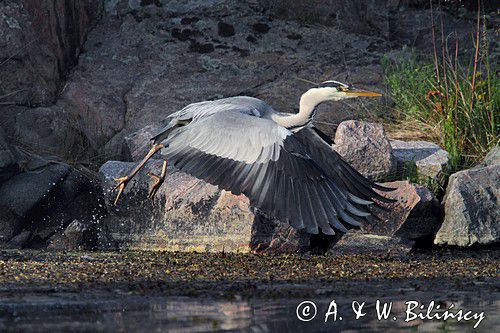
(284, 167)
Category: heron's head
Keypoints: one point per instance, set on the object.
(336, 91)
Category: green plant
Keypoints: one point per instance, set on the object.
(410, 172)
(452, 102)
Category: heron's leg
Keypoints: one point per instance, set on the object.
(123, 181)
(157, 181)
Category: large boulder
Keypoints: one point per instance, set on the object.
(271, 236)
(415, 214)
(139, 143)
(21, 193)
(39, 42)
(425, 159)
(186, 214)
(493, 157)
(42, 196)
(189, 214)
(366, 147)
(76, 236)
(471, 206)
(169, 224)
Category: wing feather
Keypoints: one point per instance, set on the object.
(336, 168)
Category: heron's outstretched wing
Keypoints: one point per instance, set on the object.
(246, 154)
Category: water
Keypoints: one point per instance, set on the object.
(121, 311)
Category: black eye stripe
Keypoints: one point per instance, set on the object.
(329, 84)
(333, 84)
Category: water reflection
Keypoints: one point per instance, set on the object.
(113, 311)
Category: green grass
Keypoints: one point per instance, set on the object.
(409, 172)
(453, 102)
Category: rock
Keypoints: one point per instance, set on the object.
(426, 158)
(188, 214)
(6, 159)
(407, 28)
(270, 236)
(76, 198)
(359, 243)
(139, 143)
(471, 206)
(23, 192)
(126, 78)
(76, 236)
(39, 42)
(10, 225)
(19, 240)
(416, 214)
(47, 131)
(366, 147)
(493, 157)
(191, 215)
(43, 196)
(406, 22)
(8, 162)
(361, 16)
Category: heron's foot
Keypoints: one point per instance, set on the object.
(122, 183)
(157, 182)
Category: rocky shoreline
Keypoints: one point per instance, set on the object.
(190, 215)
(230, 274)
(118, 68)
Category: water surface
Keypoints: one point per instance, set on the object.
(119, 311)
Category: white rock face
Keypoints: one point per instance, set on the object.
(428, 158)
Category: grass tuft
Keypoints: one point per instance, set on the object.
(454, 102)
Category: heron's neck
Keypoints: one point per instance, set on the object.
(308, 102)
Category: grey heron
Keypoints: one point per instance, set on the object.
(280, 161)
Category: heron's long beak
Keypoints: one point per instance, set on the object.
(360, 93)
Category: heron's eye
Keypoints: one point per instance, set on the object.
(342, 88)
